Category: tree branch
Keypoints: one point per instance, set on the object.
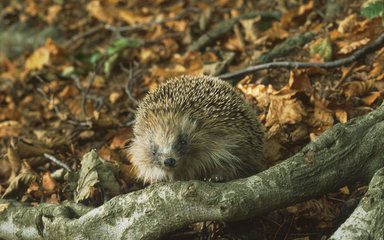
(367, 221)
(377, 43)
(345, 153)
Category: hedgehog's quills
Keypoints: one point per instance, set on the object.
(195, 127)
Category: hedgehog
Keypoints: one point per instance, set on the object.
(195, 128)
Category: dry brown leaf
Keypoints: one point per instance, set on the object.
(315, 133)
(249, 28)
(299, 80)
(234, 43)
(4, 206)
(21, 182)
(350, 47)
(379, 83)
(285, 110)
(178, 26)
(347, 24)
(371, 98)
(259, 92)
(276, 32)
(38, 59)
(130, 17)
(121, 139)
(190, 64)
(10, 129)
(53, 11)
(147, 55)
(296, 14)
(321, 210)
(321, 116)
(42, 56)
(49, 184)
(341, 115)
(31, 8)
(115, 96)
(97, 10)
(357, 88)
(345, 190)
(14, 158)
(378, 66)
(274, 131)
(69, 91)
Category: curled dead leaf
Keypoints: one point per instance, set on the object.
(350, 47)
(322, 116)
(342, 116)
(347, 24)
(259, 92)
(299, 80)
(42, 56)
(49, 184)
(285, 111)
(371, 98)
(357, 88)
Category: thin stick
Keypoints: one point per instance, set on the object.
(57, 161)
(378, 42)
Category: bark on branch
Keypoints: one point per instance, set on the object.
(367, 221)
(345, 153)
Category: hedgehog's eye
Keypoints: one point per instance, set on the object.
(182, 140)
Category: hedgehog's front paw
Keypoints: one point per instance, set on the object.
(215, 178)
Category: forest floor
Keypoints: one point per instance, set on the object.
(72, 73)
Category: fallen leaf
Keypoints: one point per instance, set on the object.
(42, 56)
(347, 24)
(368, 100)
(49, 184)
(285, 111)
(350, 47)
(357, 88)
(342, 116)
(299, 80)
(259, 92)
(97, 10)
(321, 116)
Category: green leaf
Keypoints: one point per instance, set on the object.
(95, 57)
(372, 9)
(123, 43)
(323, 48)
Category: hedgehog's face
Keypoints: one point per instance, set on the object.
(164, 152)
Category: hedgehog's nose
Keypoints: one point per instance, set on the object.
(170, 162)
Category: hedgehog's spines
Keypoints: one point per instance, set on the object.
(225, 135)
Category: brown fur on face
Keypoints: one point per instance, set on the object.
(201, 123)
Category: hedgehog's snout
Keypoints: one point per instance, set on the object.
(169, 162)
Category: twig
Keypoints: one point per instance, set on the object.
(57, 161)
(83, 35)
(55, 107)
(130, 80)
(378, 42)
